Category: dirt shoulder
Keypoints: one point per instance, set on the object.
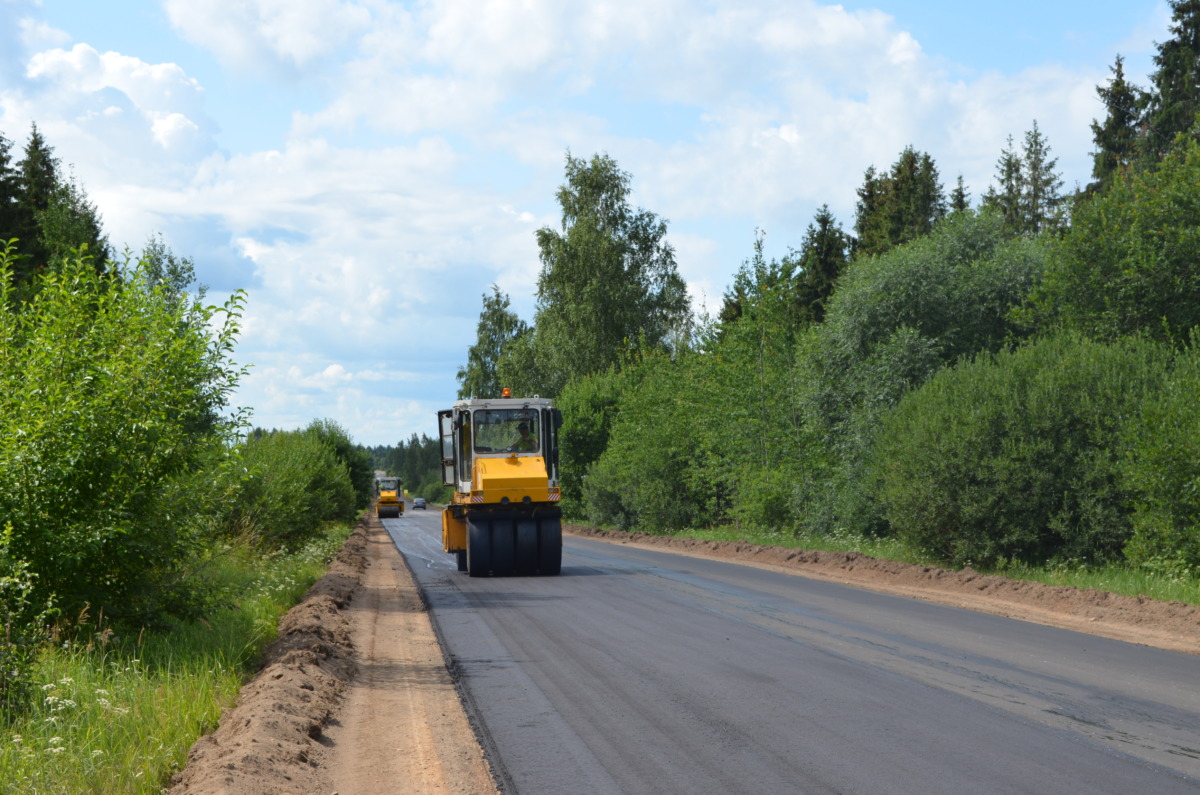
(355, 697)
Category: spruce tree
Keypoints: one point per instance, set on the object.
(918, 201)
(1029, 195)
(1116, 138)
(1041, 190)
(731, 306)
(1006, 199)
(870, 217)
(69, 222)
(960, 199)
(38, 180)
(1173, 101)
(824, 254)
(10, 193)
(899, 206)
(39, 173)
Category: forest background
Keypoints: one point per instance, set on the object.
(1002, 383)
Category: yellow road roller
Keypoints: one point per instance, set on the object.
(389, 499)
(501, 457)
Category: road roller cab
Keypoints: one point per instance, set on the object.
(501, 457)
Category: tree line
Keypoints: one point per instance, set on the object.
(1006, 382)
(45, 210)
(126, 476)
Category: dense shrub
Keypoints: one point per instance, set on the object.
(1162, 469)
(741, 407)
(643, 478)
(294, 484)
(432, 489)
(23, 628)
(892, 322)
(1130, 261)
(356, 459)
(112, 396)
(1016, 456)
(588, 405)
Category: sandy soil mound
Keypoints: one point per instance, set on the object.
(267, 743)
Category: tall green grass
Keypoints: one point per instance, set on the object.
(118, 714)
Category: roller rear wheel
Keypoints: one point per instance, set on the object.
(550, 547)
(527, 546)
(479, 547)
(504, 559)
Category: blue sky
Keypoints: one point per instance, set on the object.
(366, 169)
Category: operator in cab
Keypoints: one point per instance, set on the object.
(527, 443)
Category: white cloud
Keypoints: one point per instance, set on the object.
(84, 70)
(128, 127)
(113, 110)
(37, 35)
(173, 130)
(248, 34)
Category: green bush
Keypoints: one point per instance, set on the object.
(356, 459)
(295, 483)
(1130, 261)
(1016, 456)
(893, 321)
(588, 405)
(739, 408)
(23, 623)
(642, 479)
(1162, 469)
(110, 392)
(433, 490)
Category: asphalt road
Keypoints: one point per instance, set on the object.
(638, 671)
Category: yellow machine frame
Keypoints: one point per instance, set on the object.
(504, 517)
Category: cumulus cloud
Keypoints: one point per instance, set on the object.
(113, 111)
(36, 35)
(251, 34)
(788, 103)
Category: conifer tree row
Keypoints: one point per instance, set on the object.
(1029, 193)
(899, 205)
(47, 212)
(1142, 126)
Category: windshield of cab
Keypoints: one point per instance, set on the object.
(506, 431)
(388, 484)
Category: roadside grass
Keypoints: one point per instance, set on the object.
(120, 714)
(1179, 586)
